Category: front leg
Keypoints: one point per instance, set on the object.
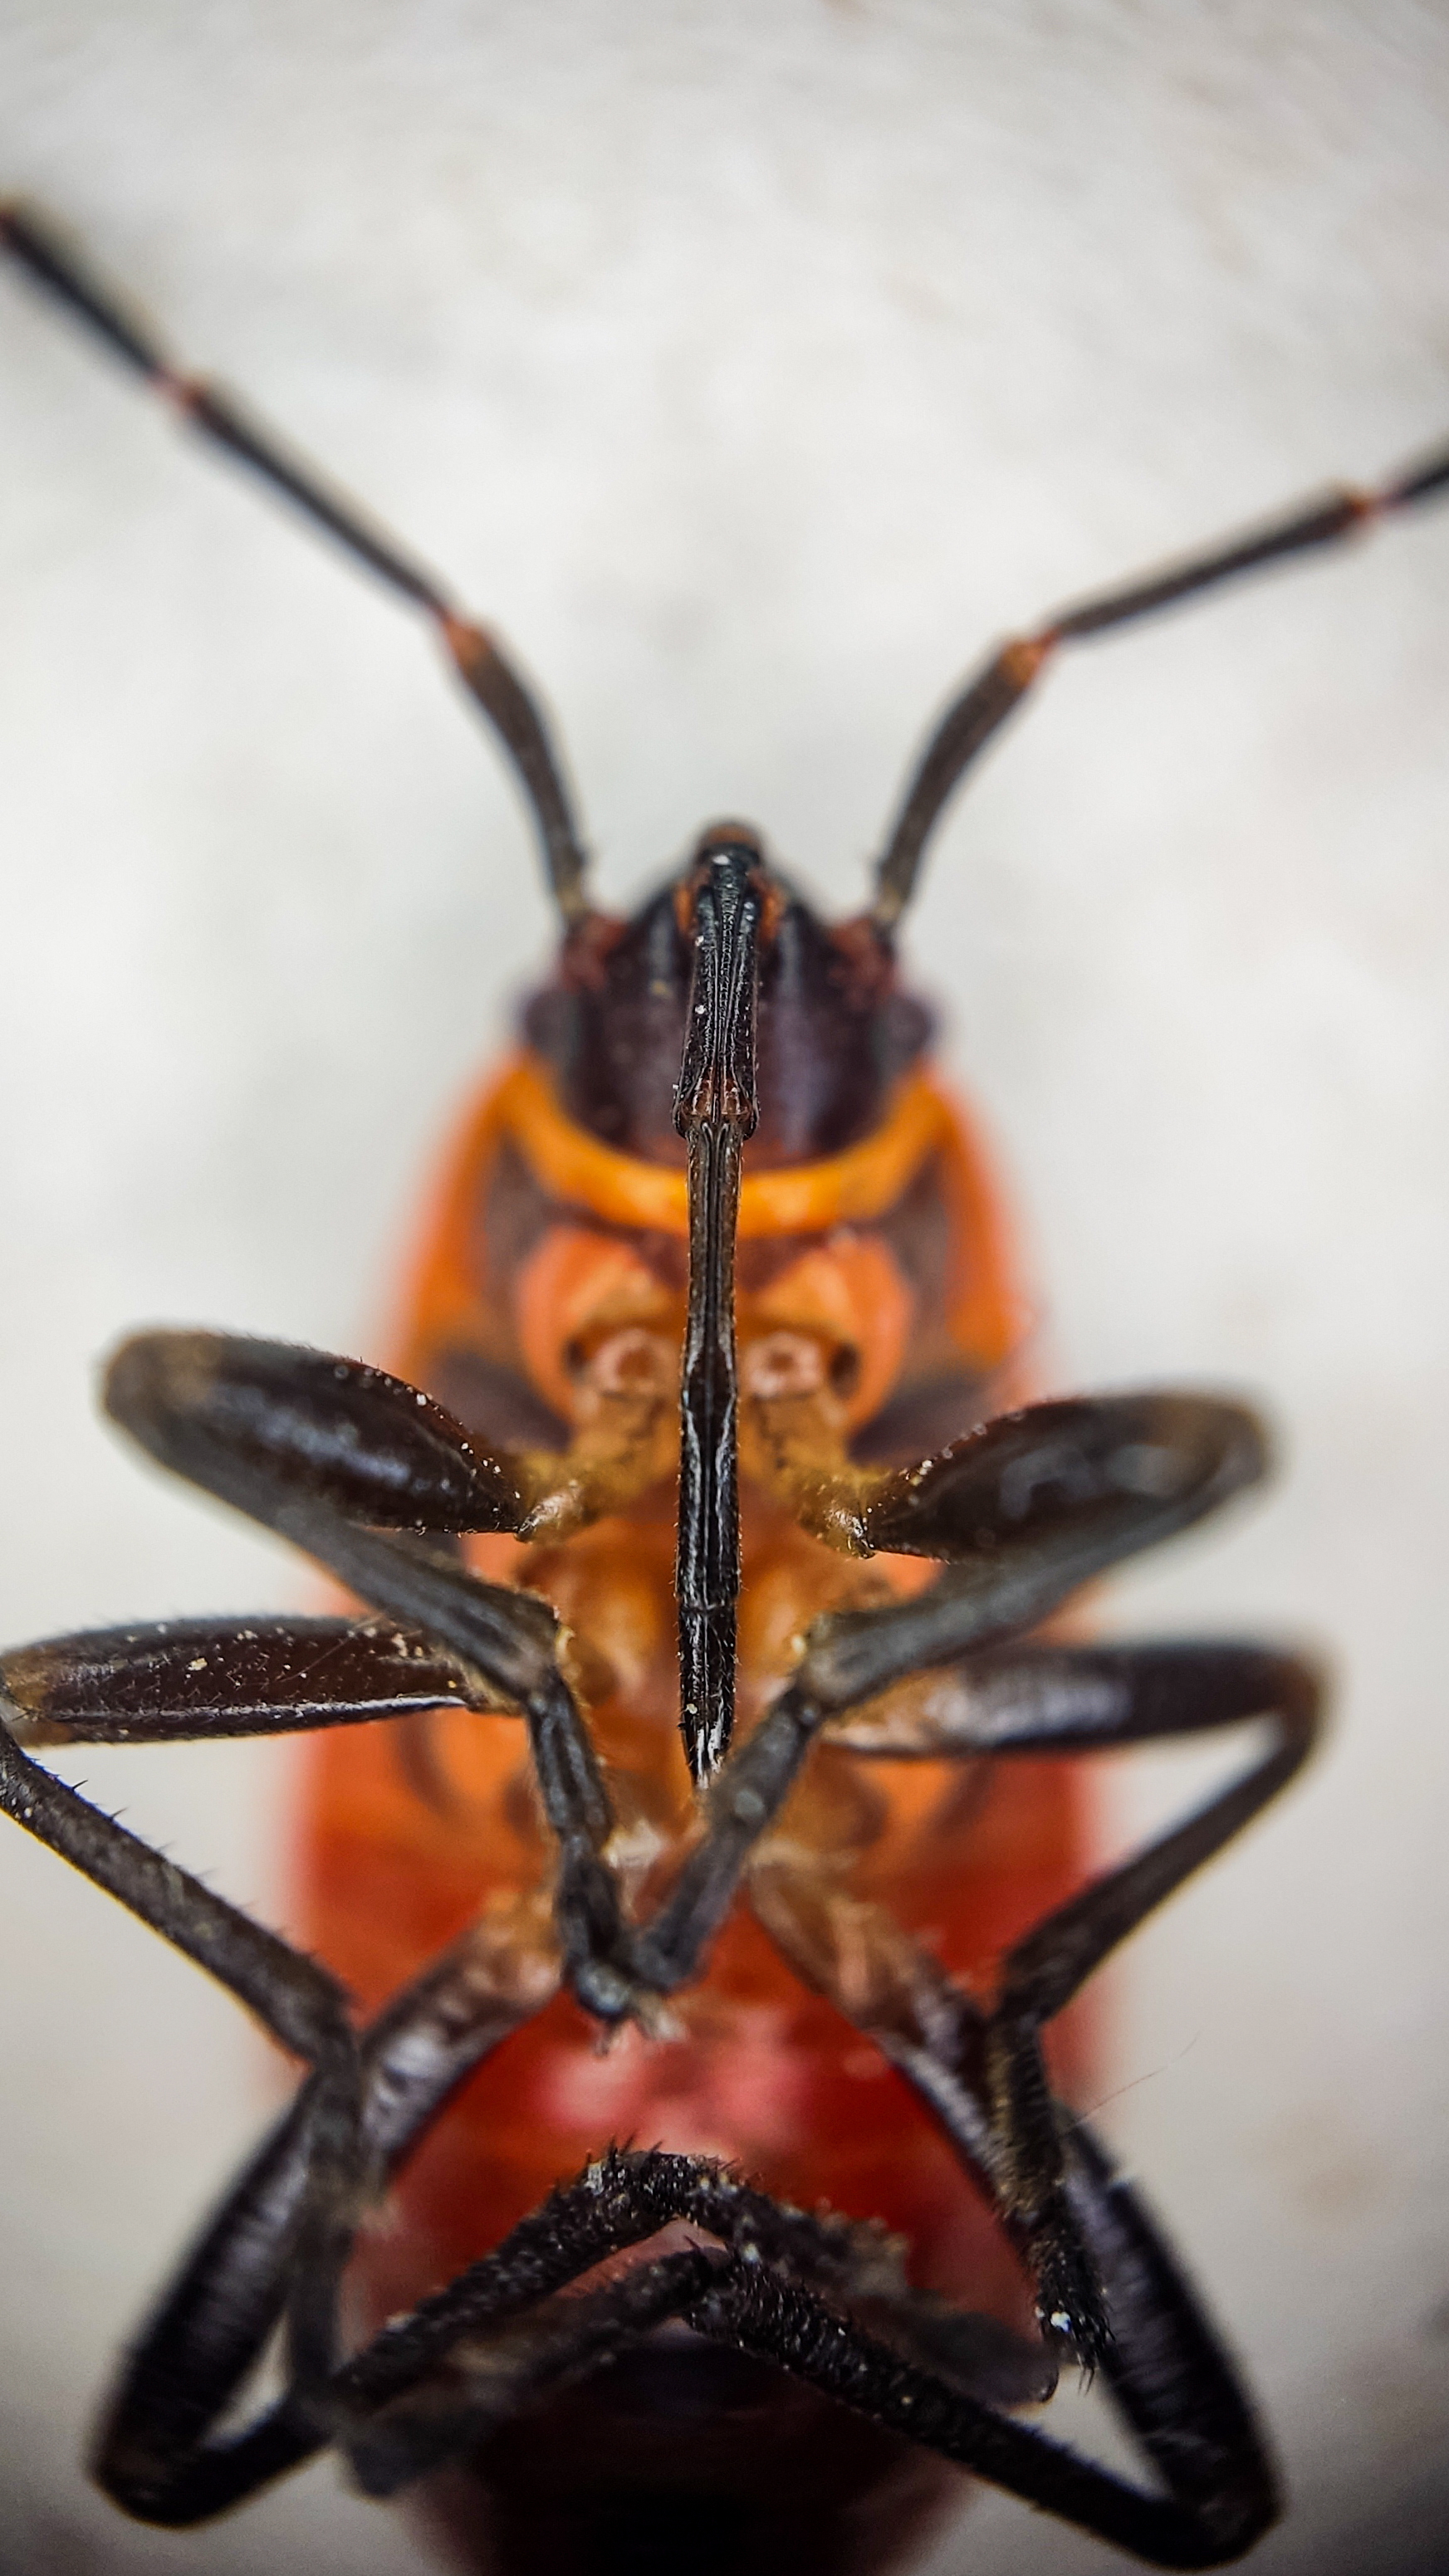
(366, 1474)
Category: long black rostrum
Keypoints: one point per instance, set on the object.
(715, 1111)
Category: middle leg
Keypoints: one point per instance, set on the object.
(1039, 1700)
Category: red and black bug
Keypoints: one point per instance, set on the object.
(718, 1140)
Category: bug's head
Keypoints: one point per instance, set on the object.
(834, 1031)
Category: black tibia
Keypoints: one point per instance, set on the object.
(1070, 1699)
(1170, 2379)
(1042, 1973)
(982, 707)
(819, 2300)
(301, 2006)
(1043, 1700)
(473, 2391)
(1166, 2372)
(1170, 2375)
(743, 1803)
(280, 1434)
(715, 1111)
(297, 2001)
(487, 674)
(156, 2453)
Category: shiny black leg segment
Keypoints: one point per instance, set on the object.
(1168, 2376)
(1043, 1700)
(295, 2000)
(1043, 1972)
(177, 1680)
(1168, 2372)
(786, 2287)
(1164, 2367)
(158, 2454)
(786, 2293)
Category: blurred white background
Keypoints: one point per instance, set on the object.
(752, 368)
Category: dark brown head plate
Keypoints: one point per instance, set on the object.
(834, 1033)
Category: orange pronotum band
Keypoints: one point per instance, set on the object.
(797, 1198)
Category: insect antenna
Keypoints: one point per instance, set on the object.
(715, 1110)
(488, 675)
(982, 707)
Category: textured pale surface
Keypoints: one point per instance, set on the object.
(752, 367)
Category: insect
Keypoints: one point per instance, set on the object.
(720, 1142)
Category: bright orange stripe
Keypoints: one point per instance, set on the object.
(798, 1198)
